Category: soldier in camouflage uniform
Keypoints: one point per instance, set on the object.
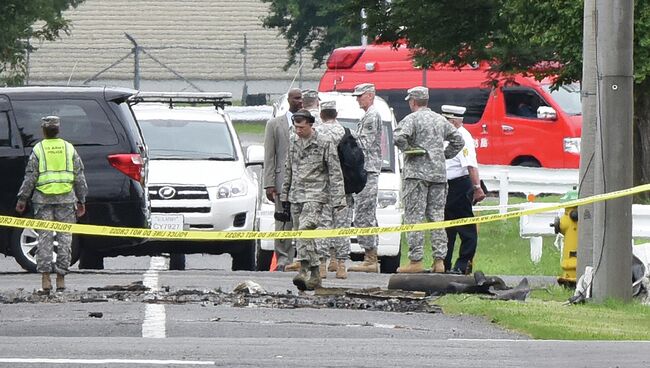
(56, 173)
(365, 202)
(311, 103)
(313, 178)
(337, 249)
(420, 136)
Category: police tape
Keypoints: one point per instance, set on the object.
(17, 222)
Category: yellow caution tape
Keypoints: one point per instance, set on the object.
(303, 234)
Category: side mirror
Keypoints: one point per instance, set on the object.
(546, 113)
(255, 155)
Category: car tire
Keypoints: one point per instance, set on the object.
(177, 261)
(91, 260)
(264, 258)
(23, 247)
(244, 258)
(529, 163)
(390, 264)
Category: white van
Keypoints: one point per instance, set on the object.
(389, 211)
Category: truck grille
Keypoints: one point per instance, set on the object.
(177, 192)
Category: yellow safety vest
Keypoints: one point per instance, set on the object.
(55, 166)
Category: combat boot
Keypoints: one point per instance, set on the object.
(333, 261)
(314, 280)
(322, 269)
(295, 266)
(341, 273)
(412, 267)
(60, 282)
(438, 266)
(300, 280)
(369, 263)
(46, 284)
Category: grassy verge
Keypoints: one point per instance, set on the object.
(543, 316)
(250, 127)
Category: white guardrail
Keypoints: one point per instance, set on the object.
(534, 227)
(527, 180)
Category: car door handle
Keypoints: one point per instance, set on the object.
(507, 129)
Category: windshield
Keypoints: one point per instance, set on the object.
(190, 140)
(387, 151)
(567, 96)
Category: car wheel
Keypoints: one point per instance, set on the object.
(390, 264)
(24, 243)
(244, 258)
(264, 258)
(177, 261)
(529, 163)
(91, 260)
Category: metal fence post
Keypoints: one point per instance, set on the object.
(503, 191)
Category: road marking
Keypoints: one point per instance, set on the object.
(153, 325)
(105, 361)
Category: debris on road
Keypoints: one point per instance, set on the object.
(95, 314)
(134, 286)
(249, 287)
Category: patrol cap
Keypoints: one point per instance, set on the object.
(362, 88)
(304, 114)
(418, 93)
(50, 121)
(310, 93)
(452, 111)
(328, 105)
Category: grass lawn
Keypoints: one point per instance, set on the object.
(543, 316)
(250, 127)
(501, 251)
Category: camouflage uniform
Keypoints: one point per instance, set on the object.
(60, 207)
(424, 187)
(333, 218)
(313, 178)
(365, 202)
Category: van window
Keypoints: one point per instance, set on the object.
(567, 96)
(522, 102)
(5, 137)
(83, 122)
(473, 99)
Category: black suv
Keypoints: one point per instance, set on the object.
(99, 122)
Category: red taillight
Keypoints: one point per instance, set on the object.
(130, 164)
(345, 57)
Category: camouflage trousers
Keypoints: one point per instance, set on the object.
(63, 212)
(424, 202)
(307, 216)
(333, 219)
(365, 210)
(283, 248)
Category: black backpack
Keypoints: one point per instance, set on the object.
(352, 163)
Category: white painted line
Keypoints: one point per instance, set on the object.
(153, 325)
(105, 361)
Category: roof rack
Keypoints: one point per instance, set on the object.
(218, 99)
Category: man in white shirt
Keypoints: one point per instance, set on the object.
(464, 191)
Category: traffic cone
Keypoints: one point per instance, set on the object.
(274, 263)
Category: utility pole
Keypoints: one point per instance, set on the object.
(614, 51)
(588, 140)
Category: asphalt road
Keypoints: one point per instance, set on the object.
(57, 331)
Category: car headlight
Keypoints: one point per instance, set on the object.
(387, 198)
(234, 188)
(572, 145)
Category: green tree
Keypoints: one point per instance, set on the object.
(515, 36)
(21, 23)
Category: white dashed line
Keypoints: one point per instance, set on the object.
(153, 325)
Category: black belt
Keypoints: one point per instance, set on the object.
(460, 178)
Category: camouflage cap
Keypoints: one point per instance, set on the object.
(328, 105)
(303, 114)
(417, 93)
(50, 121)
(362, 88)
(309, 93)
(452, 112)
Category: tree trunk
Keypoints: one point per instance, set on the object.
(642, 137)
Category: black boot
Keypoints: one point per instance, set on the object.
(300, 280)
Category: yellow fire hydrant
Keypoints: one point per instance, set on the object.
(567, 225)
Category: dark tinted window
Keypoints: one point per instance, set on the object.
(473, 99)
(83, 122)
(5, 137)
(522, 102)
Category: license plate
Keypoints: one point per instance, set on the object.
(173, 222)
